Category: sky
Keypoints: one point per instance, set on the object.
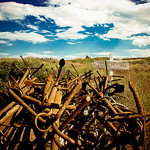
(73, 29)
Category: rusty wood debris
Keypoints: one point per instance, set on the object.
(75, 112)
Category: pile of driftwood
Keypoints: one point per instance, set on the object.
(76, 111)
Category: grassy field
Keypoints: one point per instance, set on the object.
(139, 74)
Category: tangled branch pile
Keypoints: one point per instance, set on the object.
(70, 113)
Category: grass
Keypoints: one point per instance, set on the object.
(139, 74)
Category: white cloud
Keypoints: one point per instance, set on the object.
(70, 57)
(92, 54)
(138, 52)
(4, 54)
(23, 36)
(40, 55)
(71, 43)
(41, 19)
(101, 53)
(32, 27)
(127, 17)
(48, 52)
(14, 56)
(141, 40)
(71, 33)
(74, 42)
(83, 55)
(45, 31)
(12, 10)
(119, 56)
(57, 2)
(102, 37)
(7, 43)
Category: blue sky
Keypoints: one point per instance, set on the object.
(74, 28)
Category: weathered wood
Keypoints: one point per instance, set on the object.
(7, 107)
(96, 115)
(136, 97)
(9, 113)
(58, 99)
(85, 100)
(75, 90)
(25, 105)
(111, 65)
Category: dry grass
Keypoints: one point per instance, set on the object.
(139, 74)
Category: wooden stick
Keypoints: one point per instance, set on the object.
(136, 98)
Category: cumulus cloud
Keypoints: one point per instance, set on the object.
(127, 17)
(23, 36)
(141, 40)
(13, 10)
(71, 33)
